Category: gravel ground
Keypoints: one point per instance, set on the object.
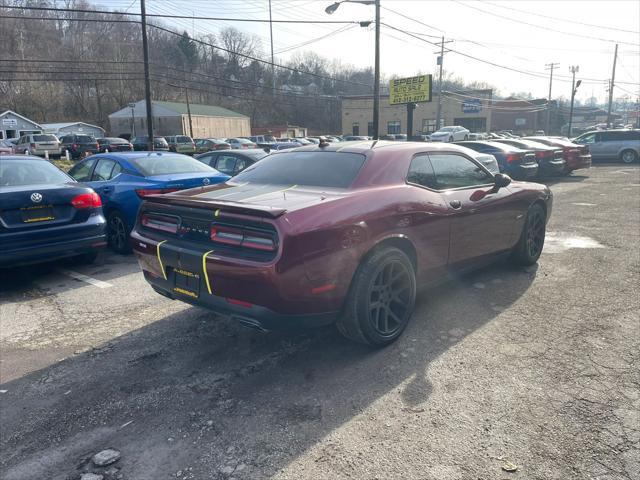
(532, 369)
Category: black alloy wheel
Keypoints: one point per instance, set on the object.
(535, 233)
(381, 298)
(389, 298)
(118, 233)
(529, 247)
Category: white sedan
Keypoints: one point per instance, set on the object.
(450, 134)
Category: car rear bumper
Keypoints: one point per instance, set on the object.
(551, 167)
(41, 151)
(249, 315)
(583, 161)
(523, 171)
(257, 294)
(47, 252)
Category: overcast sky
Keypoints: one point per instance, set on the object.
(581, 33)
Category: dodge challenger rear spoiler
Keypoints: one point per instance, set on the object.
(214, 205)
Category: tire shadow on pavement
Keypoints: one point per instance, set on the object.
(192, 390)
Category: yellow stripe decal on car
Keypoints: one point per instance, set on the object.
(204, 270)
(164, 274)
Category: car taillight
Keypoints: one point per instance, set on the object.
(160, 222)
(145, 192)
(75, 145)
(571, 152)
(242, 238)
(544, 153)
(97, 145)
(258, 240)
(32, 145)
(226, 235)
(513, 157)
(86, 200)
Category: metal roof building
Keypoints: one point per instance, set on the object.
(172, 118)
(14, 125)
(67, 128)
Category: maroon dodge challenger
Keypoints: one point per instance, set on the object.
(340, 232)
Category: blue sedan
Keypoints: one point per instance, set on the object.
(123, 180)
(45, 215)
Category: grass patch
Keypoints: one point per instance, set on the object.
(63, 164)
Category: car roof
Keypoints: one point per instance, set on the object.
(373, 146)
(24, 157)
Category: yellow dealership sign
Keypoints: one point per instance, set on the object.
(410, 90)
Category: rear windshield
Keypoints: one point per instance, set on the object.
(30, 172)
(113, 140)
(166, 164)
(85, 139)
(318, 169)
(44, 138)
(184, 139)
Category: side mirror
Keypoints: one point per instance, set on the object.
(500, 180)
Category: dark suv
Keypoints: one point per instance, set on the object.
(79, 145)
(141, 142)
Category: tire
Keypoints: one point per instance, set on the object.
(466, 137)
(529, 246)
(385, 279)
(628, 156)
(450, 139)
(118, 233)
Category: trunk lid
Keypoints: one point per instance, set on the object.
(262, 200)
(21, 210)
(189, 180)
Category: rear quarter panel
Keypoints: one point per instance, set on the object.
(331, 240)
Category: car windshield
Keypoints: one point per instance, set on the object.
(16, 172)
(318, 169)
(84, 139)
(168, 164)
(44, 138)
(446, 129)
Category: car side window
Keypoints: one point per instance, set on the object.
(103, 170)
(241, 164)
(226, 164)
(208, 159)
(421, 172)
(456, 171)
(588, 139)
(82, 171)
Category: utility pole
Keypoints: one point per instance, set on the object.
(549, 66)
(440, 62)
(147, 81)
(186, 93)
(410, 108)
(573, 69)
(273, 63)
(613, 79)
(376, 77)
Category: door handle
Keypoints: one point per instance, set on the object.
(456, 204)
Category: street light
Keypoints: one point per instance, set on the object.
(376, 72)
(574, 89)
(132, 106)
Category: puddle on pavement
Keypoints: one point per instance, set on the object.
(557, 242)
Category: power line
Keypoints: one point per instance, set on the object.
(590, 37)
(251, 20)
(317, 75)
(524, 72)
(559, 19)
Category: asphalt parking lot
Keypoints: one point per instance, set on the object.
(533, 369)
